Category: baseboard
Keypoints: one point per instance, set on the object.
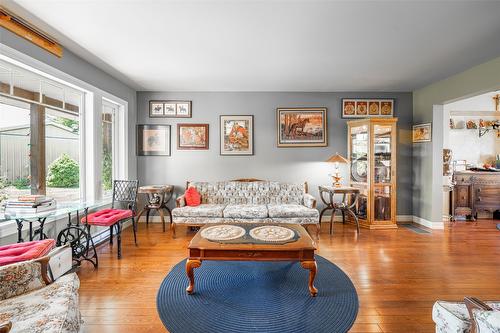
(428, 224)
(401, 219)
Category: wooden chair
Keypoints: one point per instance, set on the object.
(124, 194)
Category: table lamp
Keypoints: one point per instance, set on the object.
(337, 159)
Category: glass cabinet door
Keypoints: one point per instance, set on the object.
(359, 154)
(382, 171)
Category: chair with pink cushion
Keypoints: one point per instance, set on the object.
(124, 194)
(12, 253)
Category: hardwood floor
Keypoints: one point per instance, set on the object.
(398, 274)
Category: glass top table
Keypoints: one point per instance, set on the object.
(61, 210)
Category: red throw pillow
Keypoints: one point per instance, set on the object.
(192, 196)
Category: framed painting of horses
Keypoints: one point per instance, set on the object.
(302, 127)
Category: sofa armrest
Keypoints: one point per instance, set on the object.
(5, 327)
(180, 201)
(472, 304)
(23, 277)
(309, 201)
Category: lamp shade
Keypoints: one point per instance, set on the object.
(337, 158)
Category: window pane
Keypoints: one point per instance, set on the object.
(4, 80)
(14, 148)
(26, 87)
(72, 100)
(107, 149)
(52, 94)
(62, 155)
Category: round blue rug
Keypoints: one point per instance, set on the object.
(237, 296)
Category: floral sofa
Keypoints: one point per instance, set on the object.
(248, 201)
(454, 317)
(29, 302)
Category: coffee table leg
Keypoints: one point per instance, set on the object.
(191, 264)
(312, 267)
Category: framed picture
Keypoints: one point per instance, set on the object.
(236, 135)
(302, 127)
(170, 109)
(192, 136)
(422, 133)
(153, 140)
(155, 109)
(367, 108)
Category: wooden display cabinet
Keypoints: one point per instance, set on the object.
(372, 169)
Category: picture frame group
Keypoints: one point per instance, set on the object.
(170, 109)
(367, 108)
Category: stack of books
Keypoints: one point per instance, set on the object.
(29, 204)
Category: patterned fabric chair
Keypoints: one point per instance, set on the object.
(30, 302)
(455, 317)
(244, 201)
(124, 194)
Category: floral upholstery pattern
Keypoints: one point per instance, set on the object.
(453, 316)
(291, 211)
(252, 202)
(309, 201)
(20, 278)
(53, 308)
(245, 211)
(487, 321)
(206, 210)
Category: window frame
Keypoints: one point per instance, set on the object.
(90, 127)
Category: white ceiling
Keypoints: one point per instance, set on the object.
(273, 45)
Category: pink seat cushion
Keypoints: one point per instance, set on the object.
(13, 253)
(107, 217)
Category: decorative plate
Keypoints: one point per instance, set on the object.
(222, 232)
(272, 233)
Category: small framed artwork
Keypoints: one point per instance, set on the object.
(367, 108)
(153, 140)
(422, 133)
(192, 136)
(156, 109)
(302, 127)
(236, 135)
(170, 109)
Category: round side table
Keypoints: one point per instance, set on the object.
(157, 198)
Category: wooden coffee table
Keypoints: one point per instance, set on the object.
(301, 250)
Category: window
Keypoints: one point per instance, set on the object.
(39, 135)
(109, 152)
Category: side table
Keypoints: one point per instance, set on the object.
(344, 205)
(157, 198)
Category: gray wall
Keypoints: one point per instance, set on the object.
(269, 161)
(427, 106)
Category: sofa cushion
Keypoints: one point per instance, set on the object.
(13, 253)
(203, 210)
(453, 316)
(246, 211)
(51, 309)
(20, 278)
(291, 211)
(487, 321)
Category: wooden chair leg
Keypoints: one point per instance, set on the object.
(134, 227)
(172, 229)
(147, 216)
(119, 239)
(331, 221)
(355, 219)
(111, 235)
(162, 217)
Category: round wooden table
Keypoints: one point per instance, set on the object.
(157, 198)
